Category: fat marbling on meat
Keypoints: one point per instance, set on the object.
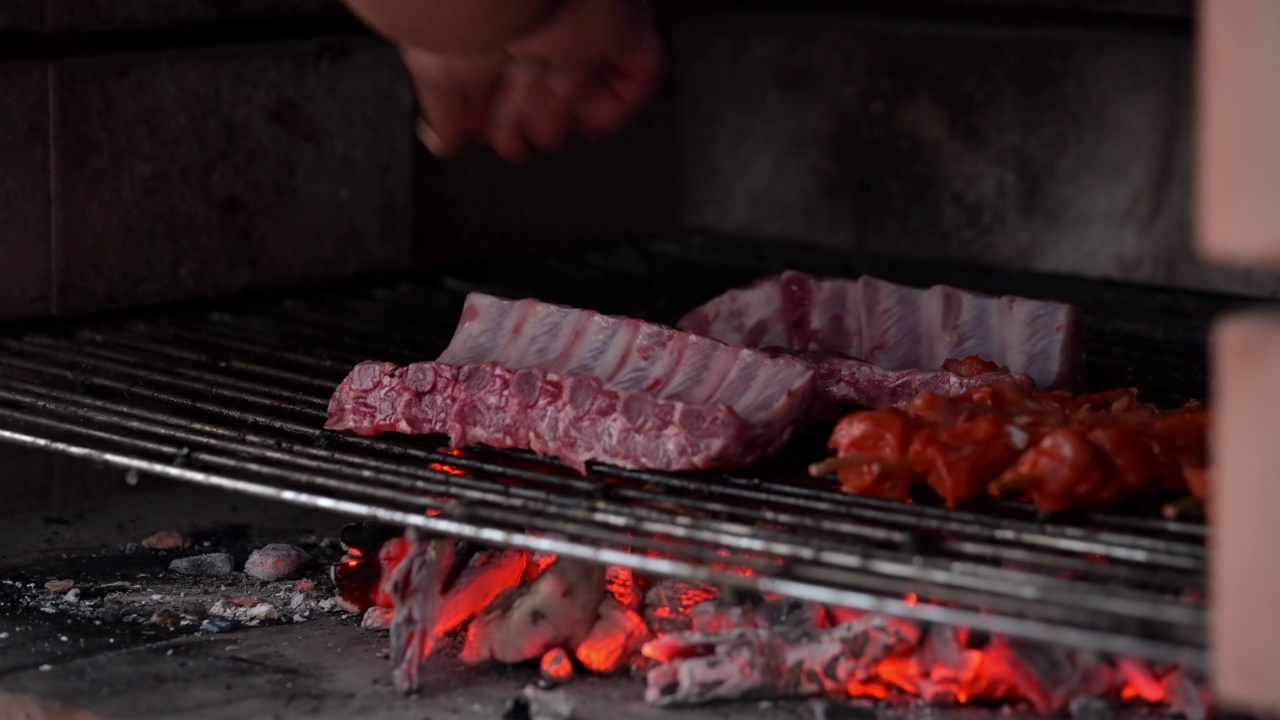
(897, 328)
(581, 386)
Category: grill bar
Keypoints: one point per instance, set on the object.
(235, 396)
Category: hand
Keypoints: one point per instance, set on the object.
(589, 69)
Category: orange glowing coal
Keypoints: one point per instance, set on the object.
(450, 469)
(622, 586)
(556, 665)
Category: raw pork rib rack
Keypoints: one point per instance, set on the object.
(577, 385)
(234, 395)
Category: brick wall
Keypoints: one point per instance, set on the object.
(156, 151)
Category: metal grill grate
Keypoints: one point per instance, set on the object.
(235, 397)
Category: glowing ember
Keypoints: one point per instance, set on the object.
(867, 690)
(613, 638)
(449, 469)
(1139, 682)
(622, 586)
(557, 666)
(668, 604)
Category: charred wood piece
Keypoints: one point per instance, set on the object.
(767, 664)
(556, 610)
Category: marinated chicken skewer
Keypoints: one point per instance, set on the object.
(1090, 451)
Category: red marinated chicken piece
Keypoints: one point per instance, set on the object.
(1089, 451)
(961, 460)
(876, 444)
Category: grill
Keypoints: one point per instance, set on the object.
(234, 396)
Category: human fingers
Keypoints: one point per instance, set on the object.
(443, 124)
(540, 114)
(504, 134)
(442, 109)
(620, 89)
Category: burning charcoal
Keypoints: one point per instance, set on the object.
(165, 617)
(548, 704)
(390, 556)
(559, 608)
(357, 580)
(59, 586)
(789, 612)
(1090, 708)
(416, 586)
(1139, 681)
(424, 612)
(219, 625)
(943, 648)
(304, 586)
(1048, 676)
(277, 561)
(943, 670)
(613, 638)
(1185, 696)
(165, 540)
(840, 615)
(768, 664)
(367, 538)
(538, 562)
(486, 576)
(210, 565)
(621, 584)
(556, 666)
(715, 616)
(667, 605)
(377, 618)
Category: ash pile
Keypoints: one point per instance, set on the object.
(169, 584)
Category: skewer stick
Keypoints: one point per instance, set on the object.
(819, 469)
(1009, 484)
(1179, 508)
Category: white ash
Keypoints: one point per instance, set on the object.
(755, 664)
(277, 561)
(557, 609)
(246, 611)
(173, 601)
(377, 618)
(546, 704)
(208, 565)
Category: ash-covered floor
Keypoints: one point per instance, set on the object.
(100, 652)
